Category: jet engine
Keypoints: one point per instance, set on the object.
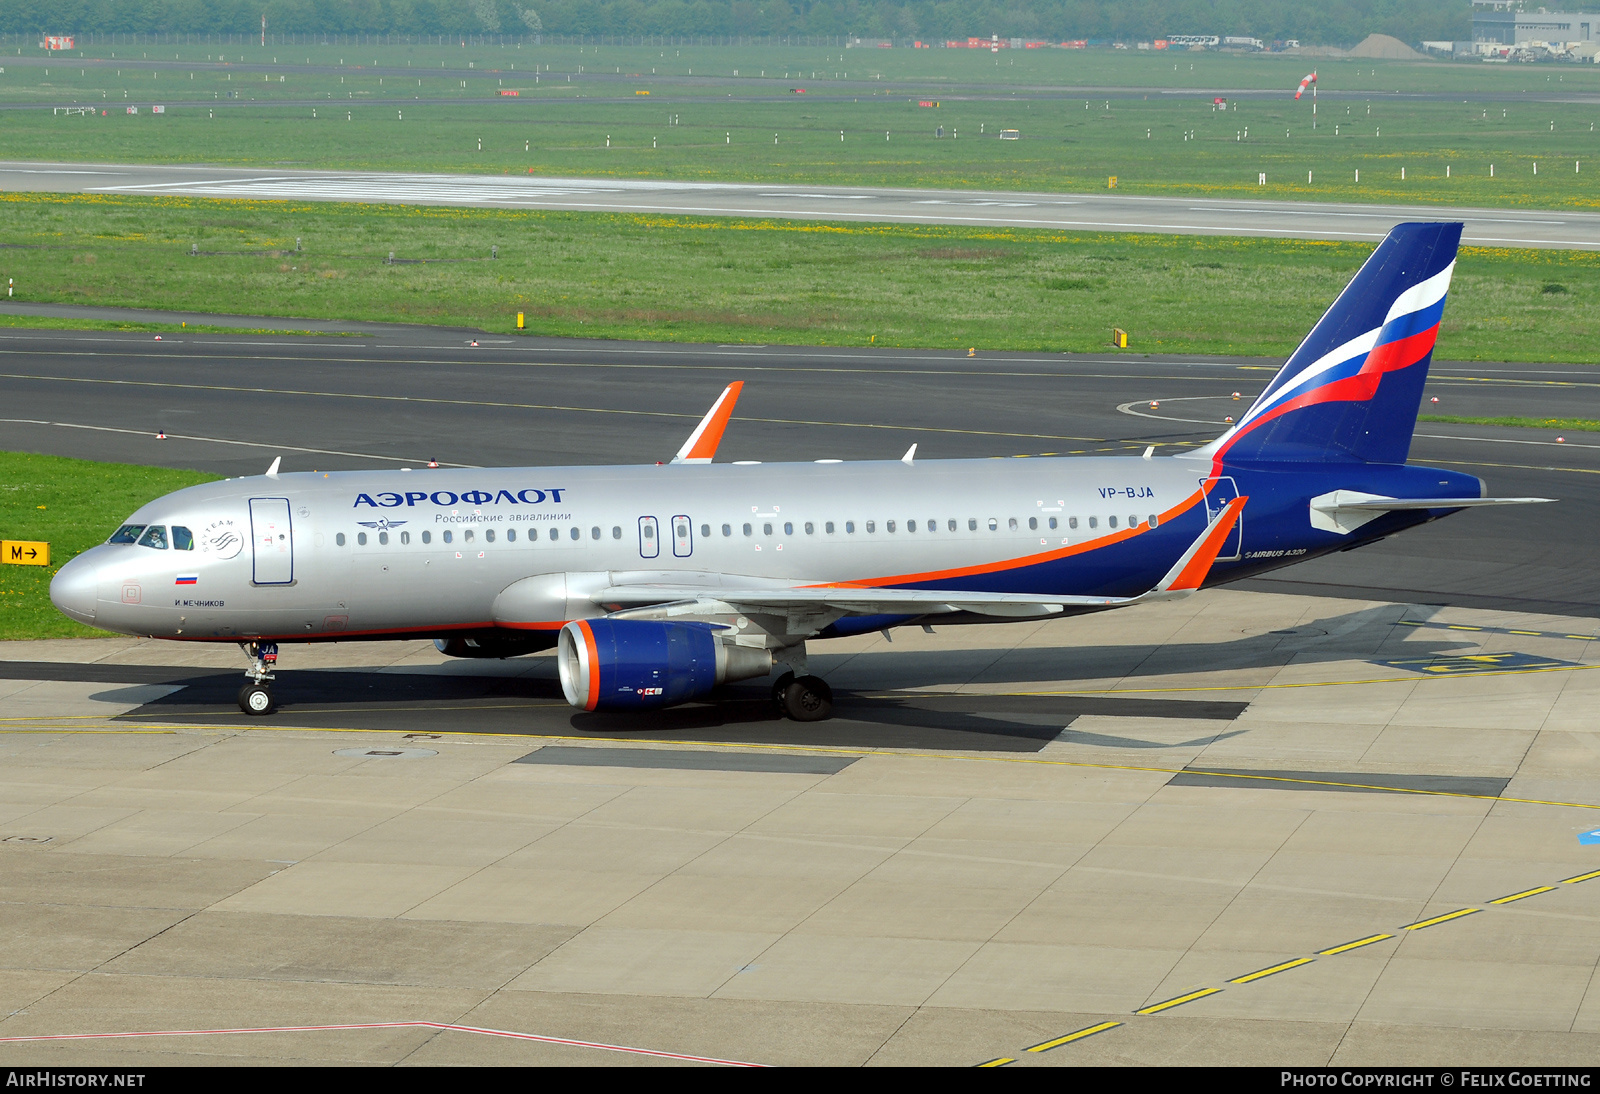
(641, 664)
(496, 645)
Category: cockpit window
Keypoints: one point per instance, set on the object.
(128, 533)
(182, 538)
(155, 536)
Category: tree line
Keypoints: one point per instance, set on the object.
(1313, 22)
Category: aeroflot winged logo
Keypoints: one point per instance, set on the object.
(383, 524)
(392, 499)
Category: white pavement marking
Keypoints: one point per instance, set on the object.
(390, 1025)
(223, 440)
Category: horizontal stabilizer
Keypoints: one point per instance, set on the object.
(1343, 511)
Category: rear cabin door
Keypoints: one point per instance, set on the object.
(271, 542)
(1219, 492)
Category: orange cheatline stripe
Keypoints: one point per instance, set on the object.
(1200, 565)
(709, 435)
(1015, 563)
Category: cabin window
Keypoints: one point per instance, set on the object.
(469, 535)
(339, 539)
(182, 538)
(128, 533)
(574, 533)
(533, 534)
(616, 531)
(1052, 524)
(1133, 521)
(448, 536)
(1072, 522)
(952, 525)
(828, 527)
(872, 526)
(1111, 522)
(911, 526)
(887, 524)
(788, 528)
(727, 529)
(488, 535)
(1033, 524)
(747, 530)
(766, 529)
(1154, 520)
(361, 539)
(383, 538)
(994, 524)
(849, 527)
(1011, 523)
(594, 532)
(155, 537)
(705, 531)
(811, 529)
(1094, 522)
(933, 526)
(427, 537)
(405, 537)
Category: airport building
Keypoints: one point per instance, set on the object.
(1498, 25)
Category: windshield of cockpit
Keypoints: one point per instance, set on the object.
(154, 536)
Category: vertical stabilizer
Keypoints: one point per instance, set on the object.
(1352, 390)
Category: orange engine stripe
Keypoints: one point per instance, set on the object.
(594, 665)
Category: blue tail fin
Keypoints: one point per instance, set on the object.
(1352, 389)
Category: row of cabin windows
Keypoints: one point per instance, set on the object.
(468, 535)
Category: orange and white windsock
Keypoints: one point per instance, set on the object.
(1311, 78)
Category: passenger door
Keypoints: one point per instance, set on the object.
(682, 536)
(271, 542)
(649, 538)
(1219, 492)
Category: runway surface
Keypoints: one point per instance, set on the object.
(401, 396)
(1066, 212)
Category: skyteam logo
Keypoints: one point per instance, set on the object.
(382, 525)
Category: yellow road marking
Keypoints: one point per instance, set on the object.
(1156, 1008)
(1357, 944)
(1001, 1062)
(1581, 877)
(1088, 1031)
(1585, 637)
(1259, 973)
(1524, 893)
(1462, 627)
(1447, 917)
(1412, 623)
(1539, 634)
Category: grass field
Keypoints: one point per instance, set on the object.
(725, 279)
(72, 505)
(1165, 138)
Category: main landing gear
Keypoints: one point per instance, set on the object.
(803, 698)
(255, 698)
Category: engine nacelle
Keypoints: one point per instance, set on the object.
(643, 664)
(496, 645)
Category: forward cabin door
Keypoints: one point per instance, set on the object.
(271, 542)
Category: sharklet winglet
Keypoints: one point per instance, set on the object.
(702, 443)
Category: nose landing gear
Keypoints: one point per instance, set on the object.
(256, 697)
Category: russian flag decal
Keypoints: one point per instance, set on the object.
(187, 579)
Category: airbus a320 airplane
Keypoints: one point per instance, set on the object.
(658, 583)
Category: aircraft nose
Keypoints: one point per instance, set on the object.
(74, 588)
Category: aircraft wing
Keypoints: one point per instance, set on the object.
(1186, 575)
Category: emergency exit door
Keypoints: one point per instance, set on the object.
(271, 542)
